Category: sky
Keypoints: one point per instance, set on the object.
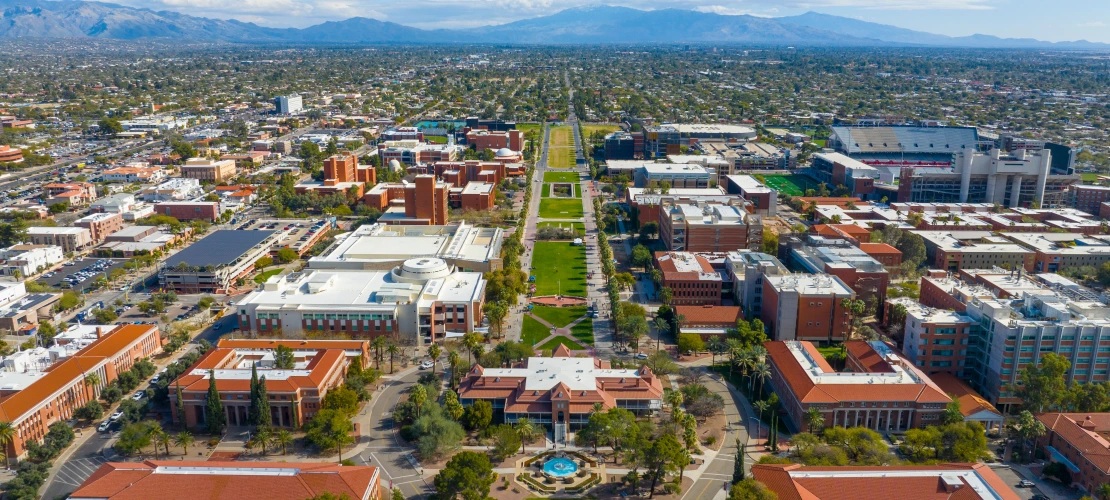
(1052, 20)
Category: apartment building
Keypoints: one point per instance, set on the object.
(805, 307)
(879, 390)
(560, 391)
(100, 225)
(55, 394)
(29, 260)
(708, 227)
(423, 300)
(71, 239)
(816, 254)
(216, 480)
(295, 393)
(133, 174)
(691, 278)
(74, 193)
(956, 250)
(746, 271)
(288, 104)
(205, 170)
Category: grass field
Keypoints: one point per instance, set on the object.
(261, 278)
(525, 127)
(560, 158)
(546, 191)
(577, 226)
(577, 190)
(559, 316)
(533, 331)
(560, 177)
(793, 185)
(562, 137)
(561, 208)
(588, 130)
(1089, 177)
(554, 343)
(584, 332)
(436, 139)
(559, 268)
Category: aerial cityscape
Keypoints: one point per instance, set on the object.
(574, 251)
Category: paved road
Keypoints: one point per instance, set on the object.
(711, 482)
(399, 466)
(81, 464)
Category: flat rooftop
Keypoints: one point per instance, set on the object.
(219, 248)
(385, 243)
(811, 284)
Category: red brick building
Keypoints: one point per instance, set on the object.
(913, 482)
(425, 202)
(9, 154)
(1078, 440)
(691, 278)
(708, 227)
(887, 255)
(883, 391)
(482, 140)
(189, 210)
(101, 225)
(1088, 198)
(805, 307)
(477, 196)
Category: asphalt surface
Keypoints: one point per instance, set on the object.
(59, 276)
(400, 468)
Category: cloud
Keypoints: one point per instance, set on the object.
(1092, 24)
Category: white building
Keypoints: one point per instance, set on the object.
(383, 247)
(175, 189)
(29, 260)
(288, 104)
(114, 204)
(424, 299)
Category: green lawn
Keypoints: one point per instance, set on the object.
(555, 208)
(261, 278)
(436, 139)
(577, 226)
(559, 268)
(560, 158)
(559, 316)
(525, 127)
(533, 331)
(560, 177)
(1089, 177)
(577, 190)
(562, 137)
(587, 130)
(546, 190)
(793, 185)
(584, 331)
(554, 343)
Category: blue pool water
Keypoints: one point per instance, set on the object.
(560, 467)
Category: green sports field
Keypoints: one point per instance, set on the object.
(561, 208)
(793, 185)
(559, 268)
(561, 177)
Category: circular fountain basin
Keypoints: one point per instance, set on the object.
(560, 467)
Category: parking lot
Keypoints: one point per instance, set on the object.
(298, 234)
(80, 274)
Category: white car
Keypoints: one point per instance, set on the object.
(640, 355)
(115, 416)
(105, 425)
(426, 365)
(138, 396)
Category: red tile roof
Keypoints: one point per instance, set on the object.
(879, 249)
(170, 480)
(927, 483)
(710, 315)
(970, 401)
(1086, 432)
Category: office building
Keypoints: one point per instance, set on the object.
(55, 394)
(414, 153)
(879, 389)
(645, 201)
(620, 146)
(904, 482)
(29, 260)
(426, 203)
(342, 175)
(935, 340)
(560, 391)
(20, 310)
(9, 154)
(708, 227)
(100, 225)
(174, 189)
(763, 199)
(1054, 252)
(189, 210)
(685, 175)
(383, 247)
(691, 278)
(836, 169)
(295, 393)
(205, 170)
(288, 104)
(216, 262)
(805, 307)
(423, 300)
(73, 193)
(476, 196)
(71, 239)
(746, 271)
(1088, 198)
(816, 254)
(133, 174)
(215, 480)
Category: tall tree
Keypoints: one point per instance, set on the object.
(468, 475)
(180, 407)
(215, 418)
(1043, 386)
(433, 352)
(264, 419)
(252, 411)
(738, 472)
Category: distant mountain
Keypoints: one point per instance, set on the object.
(583, 25)
(856, 28)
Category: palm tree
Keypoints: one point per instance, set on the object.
(433, 352)
(249, 445)
(162, 439)
(1103, 491)
(283, 438)
(597, 408)
(7, 435)
(454, 359)
(263, 436)
(674, 400)
(392, 350)
(814, 419)
(471, 342)
(763, 372)
(184, 440)
(92, 380)
(527, 432)
(760, 407)
(378, 344)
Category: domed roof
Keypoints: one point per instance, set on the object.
(394, 164)
(424, 269)
(505, 152)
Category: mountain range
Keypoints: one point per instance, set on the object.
(580, 25)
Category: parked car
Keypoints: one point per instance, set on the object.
(426, 365)
(139, 396)
(104, 426)
(1025, 483)
(640, 355)
(115, 416)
